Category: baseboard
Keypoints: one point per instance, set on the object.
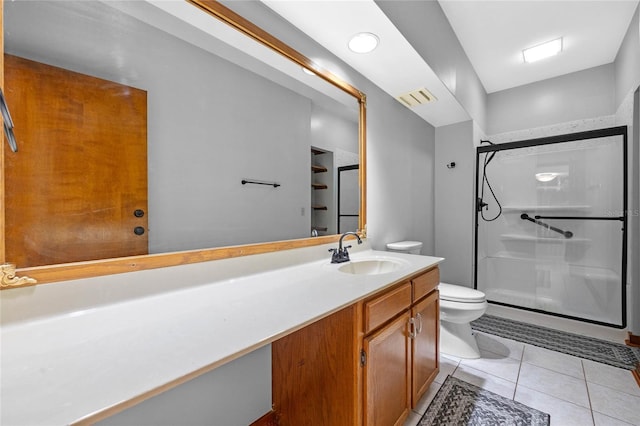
(632, 340)
(269, 419)
(636, 373)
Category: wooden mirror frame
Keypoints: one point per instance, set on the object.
(10, 277)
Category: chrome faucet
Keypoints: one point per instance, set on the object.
(341, 255)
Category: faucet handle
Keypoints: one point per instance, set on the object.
(346, 247)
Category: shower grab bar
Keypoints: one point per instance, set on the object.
(581, 217)
(567, 234)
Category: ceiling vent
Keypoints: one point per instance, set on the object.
(416, 97)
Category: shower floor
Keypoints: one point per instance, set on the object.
(615, 354)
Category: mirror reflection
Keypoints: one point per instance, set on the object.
(135, 137)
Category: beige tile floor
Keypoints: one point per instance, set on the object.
(574, 391)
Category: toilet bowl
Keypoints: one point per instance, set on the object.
(459, 306)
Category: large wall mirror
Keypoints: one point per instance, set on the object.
(152, 134)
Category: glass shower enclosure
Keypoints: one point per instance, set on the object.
(551, 219)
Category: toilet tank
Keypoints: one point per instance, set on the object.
(411, 247)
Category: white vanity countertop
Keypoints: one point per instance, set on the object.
(60, 368)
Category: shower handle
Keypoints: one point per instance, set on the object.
(480, 204)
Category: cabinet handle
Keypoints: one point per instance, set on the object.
(412, 327)
(419, 322)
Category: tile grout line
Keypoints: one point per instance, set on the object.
(515, 389)
(586, 385)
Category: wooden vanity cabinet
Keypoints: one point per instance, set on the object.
(403, 362)
(367, 364)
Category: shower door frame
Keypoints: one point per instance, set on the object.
(569, 137)
(338, 214)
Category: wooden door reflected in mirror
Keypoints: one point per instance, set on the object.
(78, 188)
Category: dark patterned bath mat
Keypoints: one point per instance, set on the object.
(615, 354)
(459, 403)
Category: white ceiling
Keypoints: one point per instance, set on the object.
(394, 66)
(492, 33)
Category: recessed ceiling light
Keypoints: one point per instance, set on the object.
(543, 50)
(363, 42)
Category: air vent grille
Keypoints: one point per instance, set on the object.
(416, 97)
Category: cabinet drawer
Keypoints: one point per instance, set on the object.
(425, 283)
(384, 307)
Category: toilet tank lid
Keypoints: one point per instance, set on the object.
(458, 293)
(404, 245)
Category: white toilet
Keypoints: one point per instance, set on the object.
(459, 306)
(411, 247)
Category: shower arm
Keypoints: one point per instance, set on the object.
(567, 234)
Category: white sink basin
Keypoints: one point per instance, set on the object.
(370, 266)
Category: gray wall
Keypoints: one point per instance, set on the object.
(400, 185)
(627, 63)
(454, 202)
(426, 27)
(237, 393)
(582, 94)
(235, 126)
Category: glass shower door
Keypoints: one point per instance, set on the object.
(550, 231)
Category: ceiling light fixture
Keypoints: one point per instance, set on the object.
(363, 42)
(543, 50)
(546, 177)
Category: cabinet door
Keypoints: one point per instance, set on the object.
(387, 374)
(425, 350)
(315, 370)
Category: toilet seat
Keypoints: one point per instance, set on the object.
(457, 293)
